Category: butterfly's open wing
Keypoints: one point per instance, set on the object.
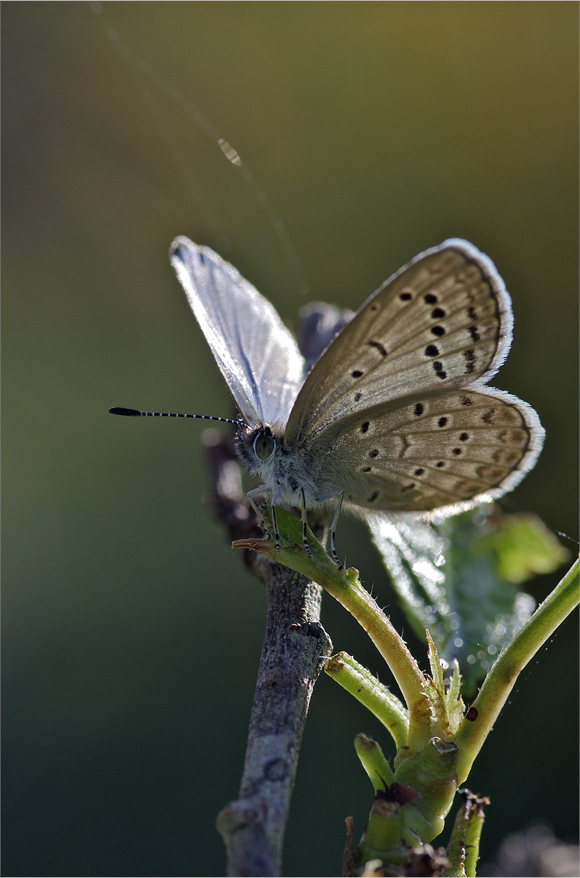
(442, 321)
(257, 355)
(431, 450)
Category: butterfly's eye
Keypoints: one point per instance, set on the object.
(264, 446)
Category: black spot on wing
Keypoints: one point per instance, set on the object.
(470, 360)
(376, 344)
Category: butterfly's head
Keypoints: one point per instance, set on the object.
(256, 447)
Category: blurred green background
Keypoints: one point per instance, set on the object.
(131, 632)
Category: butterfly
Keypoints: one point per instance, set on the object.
(395, 416)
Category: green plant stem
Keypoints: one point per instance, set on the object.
(472, 839)
(393, 649)
(365, 687)
(463, 847)
(498, 684)
(374, 762)
(345, 587)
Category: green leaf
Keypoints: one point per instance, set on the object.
(523, 546)
(414, 555)
(458, 578)
(435, 688)
(455, 705)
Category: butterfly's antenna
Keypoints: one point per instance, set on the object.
(135, 413)
(136, 65)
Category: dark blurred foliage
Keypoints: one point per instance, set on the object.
(131, 632)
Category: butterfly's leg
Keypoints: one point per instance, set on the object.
(303, 512)
(275, 501)
(333, 528)
(254, 496)
(275, 523)
(322, 498)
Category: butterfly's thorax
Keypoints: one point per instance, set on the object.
(288, 471)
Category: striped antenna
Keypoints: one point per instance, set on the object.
(135, 413)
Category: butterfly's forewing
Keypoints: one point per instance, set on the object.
(442, 321)
(432, 449)
(257, 355)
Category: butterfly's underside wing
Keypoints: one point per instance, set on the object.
(435, 449)
(441, 321)
(395, 414)
(256, 353)
(398, 404)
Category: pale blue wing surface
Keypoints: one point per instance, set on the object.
(257, 355)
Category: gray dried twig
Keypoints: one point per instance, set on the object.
(293, 653)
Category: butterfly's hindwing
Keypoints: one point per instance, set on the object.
(435, 450)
